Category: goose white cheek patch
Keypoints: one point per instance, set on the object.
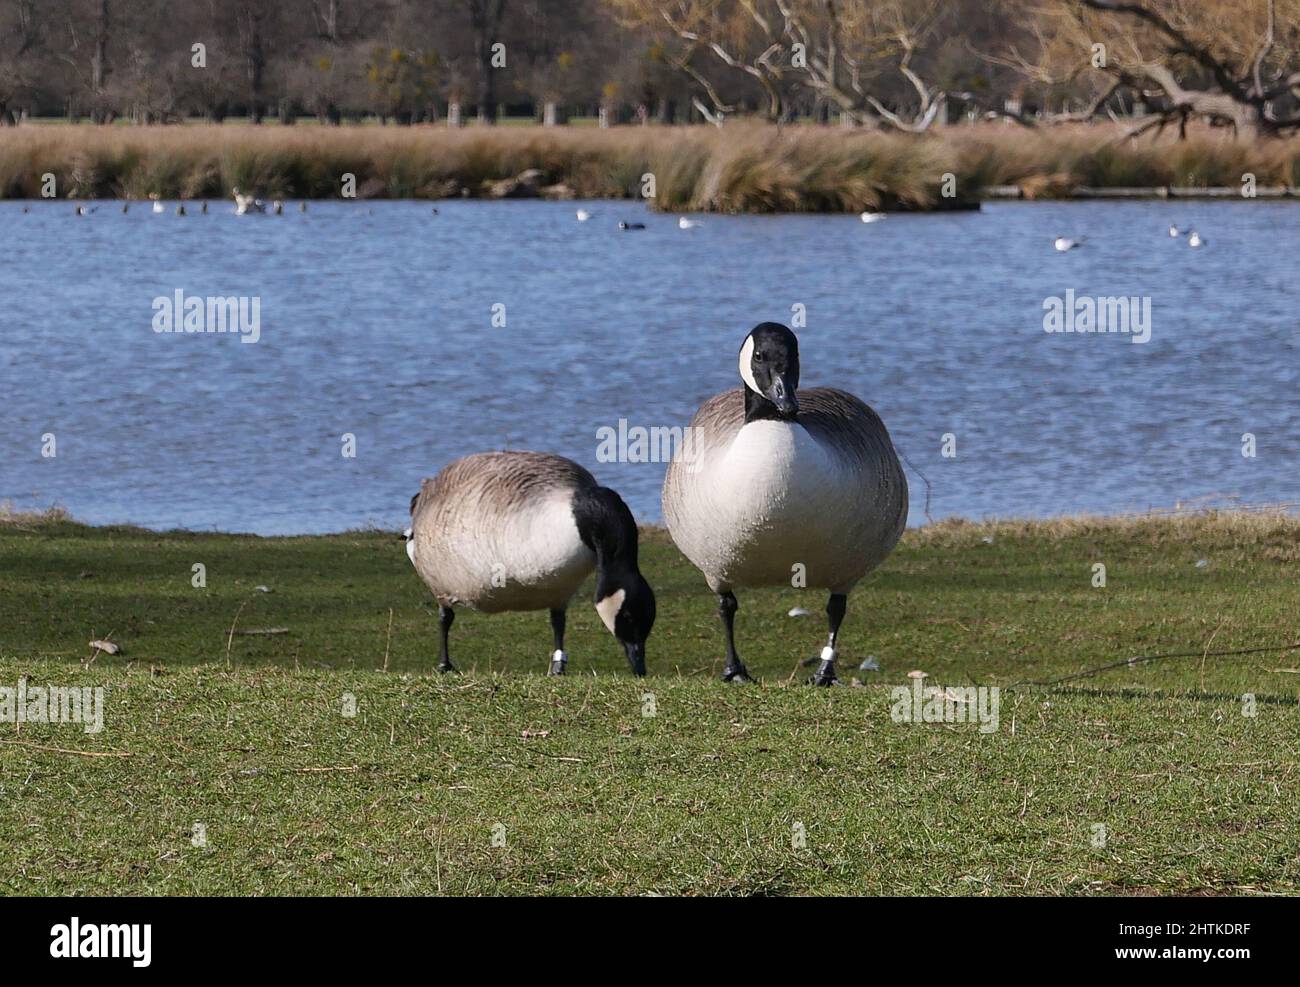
(608, 608)
(746, 365)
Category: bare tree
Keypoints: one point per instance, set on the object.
(1231, 62)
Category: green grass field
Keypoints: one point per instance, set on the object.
(247, 735)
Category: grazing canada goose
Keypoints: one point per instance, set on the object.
(871, 217)
(245, 204)
(687, 224)
(520, 531)
(785, 484)
(157, 206)
(631, 226)
(1063, 243)
(1195, 240)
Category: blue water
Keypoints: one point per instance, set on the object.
(376, 320)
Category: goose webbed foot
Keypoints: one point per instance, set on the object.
(737, 673)
(825, 675)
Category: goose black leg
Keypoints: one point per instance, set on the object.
(735, 670)
(558, 657)
(445, 616)
(835, 607)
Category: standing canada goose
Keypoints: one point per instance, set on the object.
(125, 206)
(784, 482)
(180, 209)
(204, 208)
(520, 531)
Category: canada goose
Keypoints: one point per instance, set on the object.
(687, 224)
(204, 208)
(520, 531)
(245, 204)
(157, 206)
(631, 226)
(1195, 240)
(871, 217)
(125, 206)
(1063, 244)
(782, 485)
(278, 207)
(180, 209)
(302, 206)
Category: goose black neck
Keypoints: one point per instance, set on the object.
(759, 408)
(607, 527)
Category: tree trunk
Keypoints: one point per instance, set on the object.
(254, 62)
(485, 18)
(99, 64)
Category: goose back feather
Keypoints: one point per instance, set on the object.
(496, 531)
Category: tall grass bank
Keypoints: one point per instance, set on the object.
(741, 168)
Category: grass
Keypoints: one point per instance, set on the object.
(741, 168)
(702, 797)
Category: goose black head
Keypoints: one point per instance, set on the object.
(624, 600)
(769, 366)
(629, 613)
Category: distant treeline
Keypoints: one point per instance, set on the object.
(905, 65)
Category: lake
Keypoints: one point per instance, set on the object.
(383, 321)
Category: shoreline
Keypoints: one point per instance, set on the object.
(1287, 512)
